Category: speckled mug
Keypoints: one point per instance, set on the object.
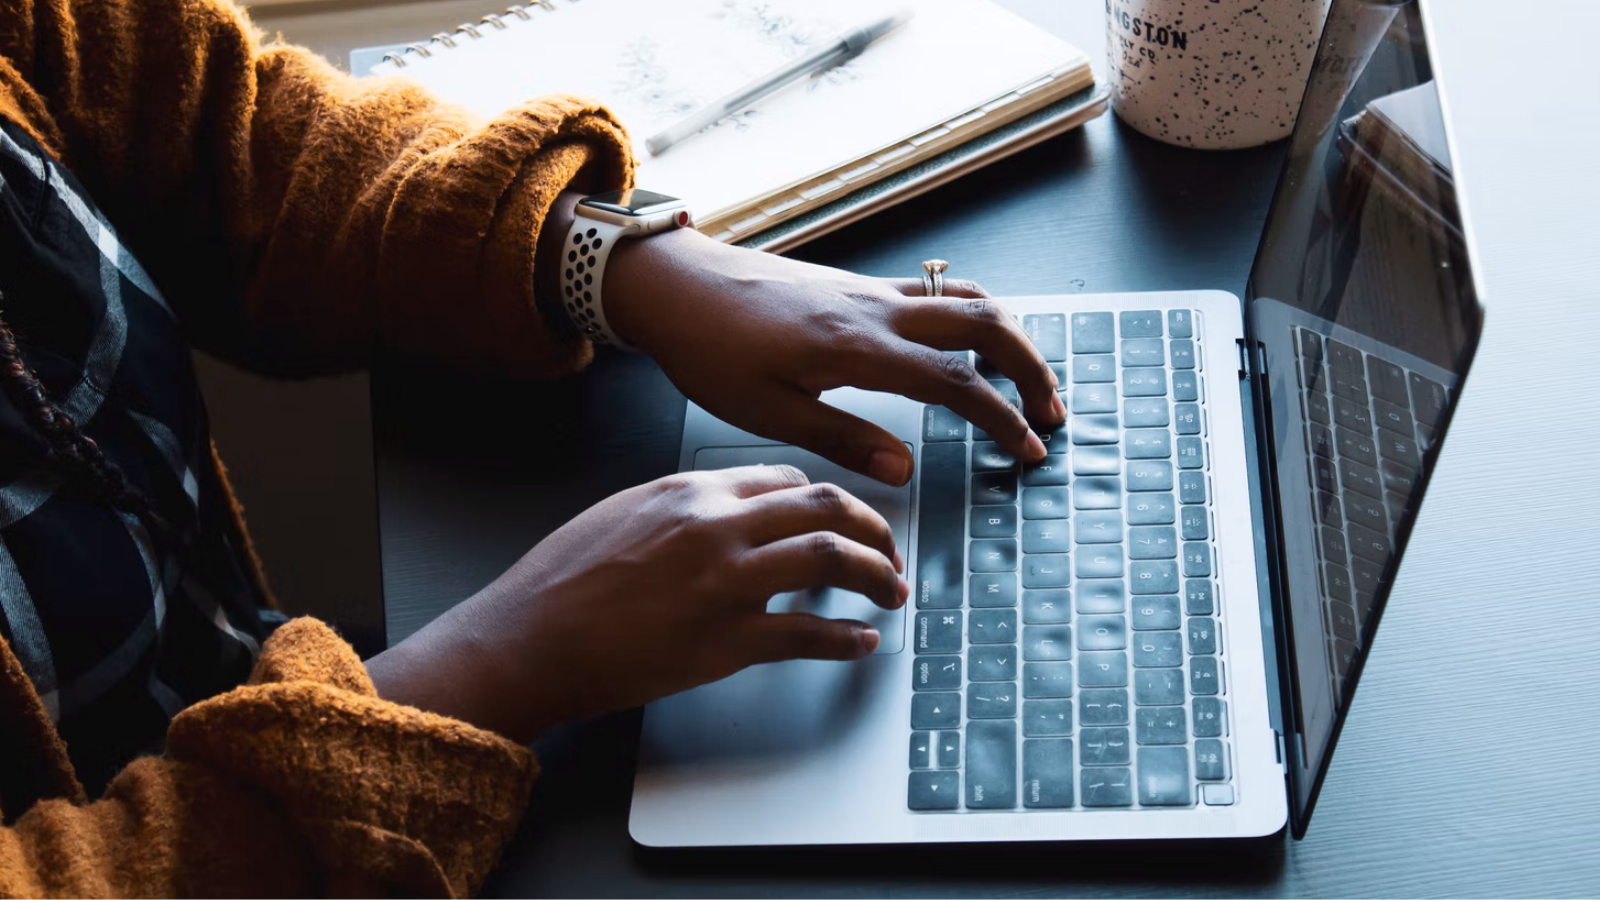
(1218, 74)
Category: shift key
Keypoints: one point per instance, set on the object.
(991, 764)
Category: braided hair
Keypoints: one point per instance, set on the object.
(85, 469)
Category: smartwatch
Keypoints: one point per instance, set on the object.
(603, 221)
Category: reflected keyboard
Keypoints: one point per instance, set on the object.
(1068, 654)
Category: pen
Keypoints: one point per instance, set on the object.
(840, 49)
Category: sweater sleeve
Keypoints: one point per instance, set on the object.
(298, 219)
(302, 782)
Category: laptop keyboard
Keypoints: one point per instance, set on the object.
(1068, 654)
(1368, 422)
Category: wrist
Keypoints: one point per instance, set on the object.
(547, 261)
(651, 277)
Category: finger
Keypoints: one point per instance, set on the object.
(984, 326)
(753, 481)
(953, 287)
(779, 636)
(818, 507)
(850, 441)
(821, 559)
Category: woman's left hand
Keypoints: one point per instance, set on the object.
(756, 338)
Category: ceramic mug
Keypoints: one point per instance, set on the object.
(1218, 74)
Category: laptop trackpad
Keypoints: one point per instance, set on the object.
(894, 504)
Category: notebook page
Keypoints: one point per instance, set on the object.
(654, 62)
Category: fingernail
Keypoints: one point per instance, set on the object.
(1035, 447)
(869, 640)
(903, 593)
(1059, 407)
(899, 563)
(890, 468)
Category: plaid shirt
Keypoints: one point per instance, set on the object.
(117, 628)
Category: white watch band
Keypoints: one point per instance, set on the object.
(583, 269)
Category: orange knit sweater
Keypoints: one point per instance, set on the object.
(298, 221)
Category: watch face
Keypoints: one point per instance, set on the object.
(632, 202)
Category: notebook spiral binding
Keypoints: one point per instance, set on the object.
(448, 38)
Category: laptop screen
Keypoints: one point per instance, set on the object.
(1363, 316)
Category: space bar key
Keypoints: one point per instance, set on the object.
(941, 526)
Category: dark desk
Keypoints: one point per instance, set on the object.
(1454, 776)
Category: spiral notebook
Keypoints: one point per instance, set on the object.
(963, 83)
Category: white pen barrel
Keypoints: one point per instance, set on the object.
(745, 96)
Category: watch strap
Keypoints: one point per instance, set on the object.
(583, 266)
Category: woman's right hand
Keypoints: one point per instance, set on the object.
(655, 590)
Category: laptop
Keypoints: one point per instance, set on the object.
(1158, 631)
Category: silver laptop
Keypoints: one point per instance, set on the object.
(1157, 632)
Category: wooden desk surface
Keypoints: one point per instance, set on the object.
(1466, 766)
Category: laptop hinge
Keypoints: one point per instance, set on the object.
(1244, 359)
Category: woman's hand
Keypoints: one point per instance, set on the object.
(653, 591)
(755, 338)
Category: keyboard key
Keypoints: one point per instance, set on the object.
(1152, 542)
(1210, 760)
(996, 700)
(921, 749)
(1103, 668)
(1143, 352)
(1097, 526)
(993, 589)
(1350, 415)
(1164, 776)
(1344, 358)
(1093, 398)
(1366, 575)
(1047, 774)
(1101, 633)
(1154, 577)
(1186, 418)
(1140, 323)
(1046, 679)
(1399, 448)
(1344, 656)
(995, 662)
(1357, 447)
(1191, 453)
(1388, 381)
(934, 711)
(1329, 509)
(1180, 323)
(1097, 492)
(1094, 429)
(1148, 443)
(1217, 794)
(1094, 369)
(1317, 408)
(1156, 614)
(1150, 412)
(1336, 582)
(1157, 649)
(1310, 344)
(1106, 786)
(1093, 333)
(1052, 470)
(949, 749)
(1103, 706)
(1104, 746)
(1054, 441)
(1185, 386)
(1397, 478)
(934, 790)
(936, 673)
(940, 424)
(1198, 599)
(993, 556)
(1196, 560)
(1102, 460)
(1334, 546)
(991, 457)
(1144, 382)
(1369, 544)
(1098, 561)
(1397, 504)
(1046, 536)
(1153, 509)
(1322, 441)
(1046, 643)
(1313, 376)
(1059, 370)
(992, 626)
(1150, 475)
(1049, 335)
(1158, 687)
(941, 537)
(1342, 617)
(939, 631)
(1046, 718)
(991, 765)
(1357, 477)
(1195, 521)
(1393, 417)
(1209, 717)
(1047, 607)
(1366, 511)
(1046, 570)
(1161, 724)
(1323, 472)
(989, 488)
(1202, 636)
(1205, 677)
(1046, 503)
(1100, 596)
(1182, 353)
(992, 521)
